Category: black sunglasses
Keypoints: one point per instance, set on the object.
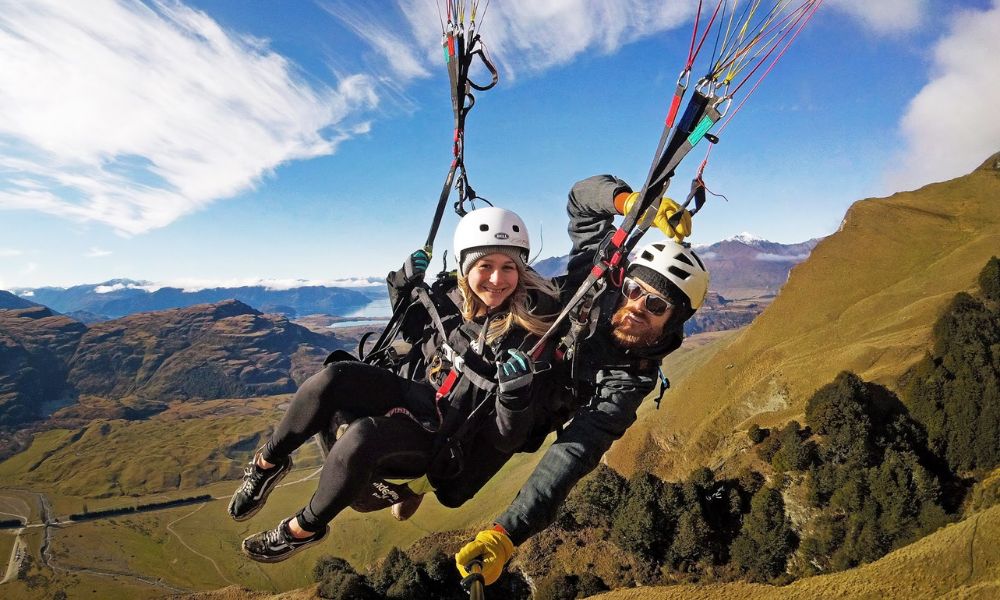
(654, 305)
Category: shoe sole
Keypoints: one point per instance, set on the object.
(267, 492)
(277, 559)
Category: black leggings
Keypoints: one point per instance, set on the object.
(374, 445)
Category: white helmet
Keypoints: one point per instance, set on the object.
(488, 230)
(674, 263)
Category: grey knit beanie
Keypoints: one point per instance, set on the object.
(474, 254)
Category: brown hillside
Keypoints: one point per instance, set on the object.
(959, 561)
(204, 351)
(865, 301)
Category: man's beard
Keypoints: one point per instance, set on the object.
(641, 336)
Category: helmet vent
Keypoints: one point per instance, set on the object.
(647, 255)
(684, 259)
(516, 229)
(659, 247)
(484, 227)
(678, 272)
(700, 264)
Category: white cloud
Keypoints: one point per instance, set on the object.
(97, 253)
(29, 268)
(885, 16)
(951, 125)
(197, 285)
(780, 258)
(9, 253)
(107, 289)
(135, 115)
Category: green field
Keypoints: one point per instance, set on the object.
(196, 547)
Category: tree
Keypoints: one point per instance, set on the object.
(989, 280)
(793, 454)
(693, 539)
(595, 500)
(341, 585)
(762, 548)
(398, 578)
(639, 524)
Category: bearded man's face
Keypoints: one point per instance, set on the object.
(636, 327)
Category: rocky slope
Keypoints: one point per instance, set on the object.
(142, 362)
(36, 346)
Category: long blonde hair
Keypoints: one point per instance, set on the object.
(519, 311)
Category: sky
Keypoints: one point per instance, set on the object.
(209, 142)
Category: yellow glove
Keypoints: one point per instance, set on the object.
(493, 548)
(668, 208)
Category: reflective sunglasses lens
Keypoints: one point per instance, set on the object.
(632, 290)
(656, 305)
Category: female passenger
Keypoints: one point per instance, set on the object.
(403, 426)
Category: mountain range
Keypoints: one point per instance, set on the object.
(742, 268)
(120, 297)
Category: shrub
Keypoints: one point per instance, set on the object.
(557, 587)
(989, 280)
(757, 434)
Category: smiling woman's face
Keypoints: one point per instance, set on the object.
(493, 279)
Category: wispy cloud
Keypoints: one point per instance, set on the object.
(97, 253)
(950, 126)
(531, 36)
(9, 253)
(396, 51)
(135, 115)
(885, 16)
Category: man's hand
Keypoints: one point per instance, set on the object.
(516, 373)
(668, 208)
(416, 265)
(491, 547)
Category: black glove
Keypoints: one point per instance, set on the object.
(416, 265)
(515, 374)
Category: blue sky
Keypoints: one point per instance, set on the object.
(224, 143)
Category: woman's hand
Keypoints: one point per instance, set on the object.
(416, 266)
(516, 373)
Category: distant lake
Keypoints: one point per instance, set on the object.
(375, 323)
(376, 308)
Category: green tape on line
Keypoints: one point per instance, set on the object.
(700, 131)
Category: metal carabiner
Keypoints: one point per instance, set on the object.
(684, 79)
(722, 105)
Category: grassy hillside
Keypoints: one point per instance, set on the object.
(959, 561)
(865, 301)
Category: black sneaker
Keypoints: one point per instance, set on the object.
(257, 485)
(275, 545)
